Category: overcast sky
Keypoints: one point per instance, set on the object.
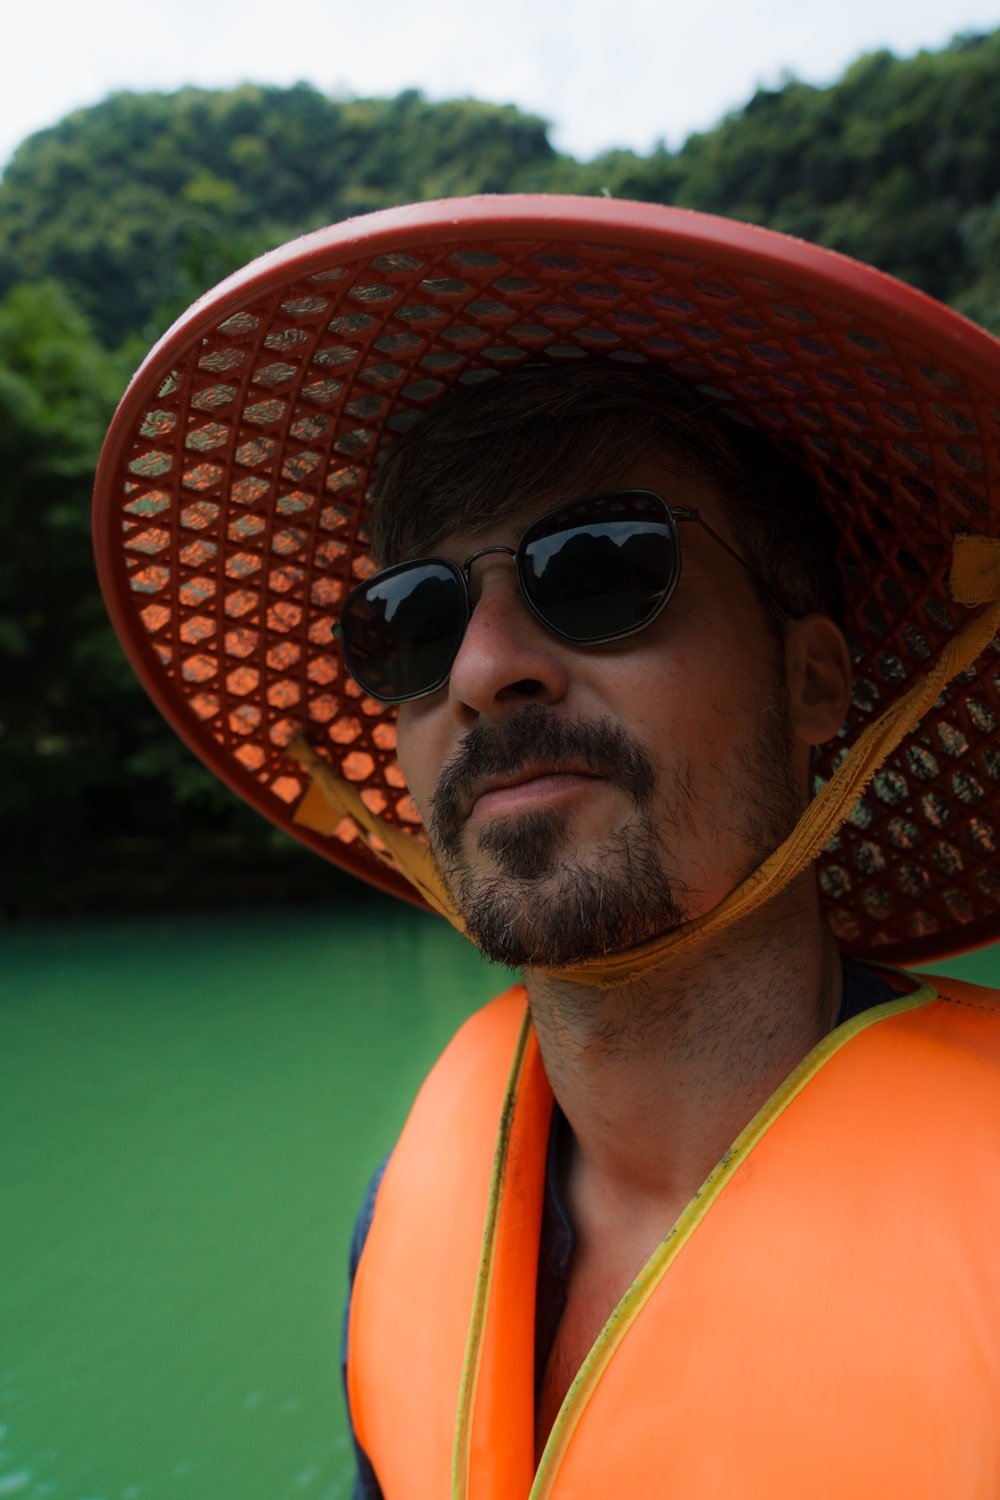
(605, 72)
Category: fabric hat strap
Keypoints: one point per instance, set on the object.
(974, 581)
(329, 801)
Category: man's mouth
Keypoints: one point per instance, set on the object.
(527, 789)
(534, 761)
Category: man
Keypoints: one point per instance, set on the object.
(702, 1207)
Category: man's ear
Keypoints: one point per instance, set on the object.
(819, 678)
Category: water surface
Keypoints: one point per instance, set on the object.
(189, 1112)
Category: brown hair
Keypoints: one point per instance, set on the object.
(548, 434)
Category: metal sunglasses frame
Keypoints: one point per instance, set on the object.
(462, 574)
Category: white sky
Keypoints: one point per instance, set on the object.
(605, 72)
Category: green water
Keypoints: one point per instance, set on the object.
(189, 1112)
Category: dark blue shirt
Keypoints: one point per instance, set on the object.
(862, 990)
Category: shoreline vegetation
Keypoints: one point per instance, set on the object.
(114, 219)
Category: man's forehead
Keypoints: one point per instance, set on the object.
(506, 529)
(536, 436)
(676, 476)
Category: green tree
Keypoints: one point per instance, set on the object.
(129, 203)
(59, 660)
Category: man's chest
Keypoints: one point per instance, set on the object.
(587, 1309)
(602, 1269)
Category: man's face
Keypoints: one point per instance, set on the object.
(582, 799)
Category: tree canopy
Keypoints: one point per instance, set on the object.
(142, 201)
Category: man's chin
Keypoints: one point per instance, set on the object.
(572, 910)
(524, 847)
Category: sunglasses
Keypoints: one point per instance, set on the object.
(590, 572)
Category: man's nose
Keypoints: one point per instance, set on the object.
(507, 657)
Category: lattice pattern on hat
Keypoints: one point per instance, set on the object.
(242, 519)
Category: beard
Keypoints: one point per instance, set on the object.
(539, 906)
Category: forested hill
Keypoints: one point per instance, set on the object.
(138, 203)
(112, 221)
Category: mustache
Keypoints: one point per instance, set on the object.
(532, 734)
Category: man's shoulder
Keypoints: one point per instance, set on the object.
(961, 1000)
(493, 1027)
(913, 988)
(469, 1079)
(952, 1023)
(963, 992)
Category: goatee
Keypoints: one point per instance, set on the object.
(537, 907)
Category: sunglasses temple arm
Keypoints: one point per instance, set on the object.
(688, 513)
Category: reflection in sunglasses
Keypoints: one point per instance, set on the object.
(590, 572)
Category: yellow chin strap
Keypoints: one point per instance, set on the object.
(329, 801)
(974, 581)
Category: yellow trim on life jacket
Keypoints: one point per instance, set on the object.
(474, 1347)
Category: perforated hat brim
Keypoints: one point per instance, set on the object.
(231, 494)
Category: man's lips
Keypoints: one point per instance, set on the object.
(533, 761)
(531, 786)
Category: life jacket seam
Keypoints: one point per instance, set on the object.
(988, 1010)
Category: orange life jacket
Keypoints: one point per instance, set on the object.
(823, 1320)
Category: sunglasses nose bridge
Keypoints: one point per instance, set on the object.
(484, 552)
(474, 557)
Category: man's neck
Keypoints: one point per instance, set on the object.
(657, 1078)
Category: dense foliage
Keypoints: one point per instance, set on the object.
(897, 164)
(140, 202)
(111, 221)
(143, 201)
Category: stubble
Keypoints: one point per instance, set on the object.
(537, 905)
(541, 906)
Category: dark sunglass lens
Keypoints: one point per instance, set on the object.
(402, 630)
(603, 567)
